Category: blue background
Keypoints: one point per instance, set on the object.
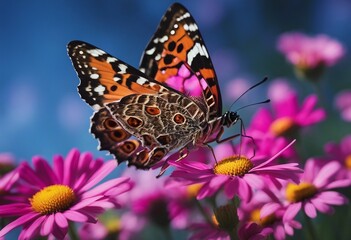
(41, 112)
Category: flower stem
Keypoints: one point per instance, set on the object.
(72, 231)
(310, 228)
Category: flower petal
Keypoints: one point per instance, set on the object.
(325, 173)
(77, 216)
(310, 210)
(18, 222)
(48, 225)
(292, 211)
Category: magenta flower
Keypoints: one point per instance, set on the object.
(343, 104)
(7, 184)
(288, 116)
(267, 211)
(314, 192)
(341, 153)
(50, 198)
(310, 55)
(237, 175)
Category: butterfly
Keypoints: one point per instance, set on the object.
(169, 106)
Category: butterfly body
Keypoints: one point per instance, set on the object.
(171, 104)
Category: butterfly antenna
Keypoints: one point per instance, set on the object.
(252, 87)
(253, 104)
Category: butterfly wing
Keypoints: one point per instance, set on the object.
(105, 78)
(177, 56)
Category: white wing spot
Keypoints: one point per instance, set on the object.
(96, 52)
(117, 79)
(94, 76)
(172, 32)
(100, 89)
(197, 49)
(150, 51)
(164, 39)
(122, 68)
(141, 81)
(111, 59)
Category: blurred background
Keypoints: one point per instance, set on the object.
(41, 111)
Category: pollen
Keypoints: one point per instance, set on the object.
(300, 192)
(52, 199)
(348, 162)
(282, 126)
(233, 166)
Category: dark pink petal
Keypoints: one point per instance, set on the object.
(338, 184)
(48, 225)
(326, 172)
(333, 198)
(86, 202)
(59, 233)
(70, 167)
(15, 209)
(18, 222)
(310, 210)
(76, 216)
(316, 116)
(28, 175)
(206, 191)
(269, 208)
(106, 186)
(45, 171)
(292, 211)
(100, 174)
(321, 206)
(262, 120)
(59, 167)
(32, 231)
(279, 233)
(287, 107)
(61, 220)
(254, 180)
(244, 190)
(306, 108)
(231, 188)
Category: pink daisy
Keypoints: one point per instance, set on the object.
(237, 175)
(343, 104)
(51, 198)
(287, 118)
(314, 192)
(267, 210)
(341, 153)
(310, 54)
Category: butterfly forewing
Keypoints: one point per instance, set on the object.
(177, 45)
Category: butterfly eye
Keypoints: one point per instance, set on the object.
(134, 122)
(153, 111)
(179, 118)
(119, 135)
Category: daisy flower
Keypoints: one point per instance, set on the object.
(237, 175)
(288, 116)
(310, 55)
(50, 198)
(267, 211)
(341, 153)
(314, 192)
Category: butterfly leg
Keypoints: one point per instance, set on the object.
(183, 153)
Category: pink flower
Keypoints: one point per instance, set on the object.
(310, 52)
(341, 153)
(207, 231)
(237, 175)
(7, 184)
(343, 104)
(287, 116)
(314, 192)
(267, 210)
(49, 198)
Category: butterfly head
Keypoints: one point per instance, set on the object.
(230, 118)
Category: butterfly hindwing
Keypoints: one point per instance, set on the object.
(177, 52)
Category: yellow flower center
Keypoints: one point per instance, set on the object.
(297, 193)
(348, 162)
(52, 199)
(113, 225)
(282, 126)
(193, 189)
(233, 166)
(266, 221)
